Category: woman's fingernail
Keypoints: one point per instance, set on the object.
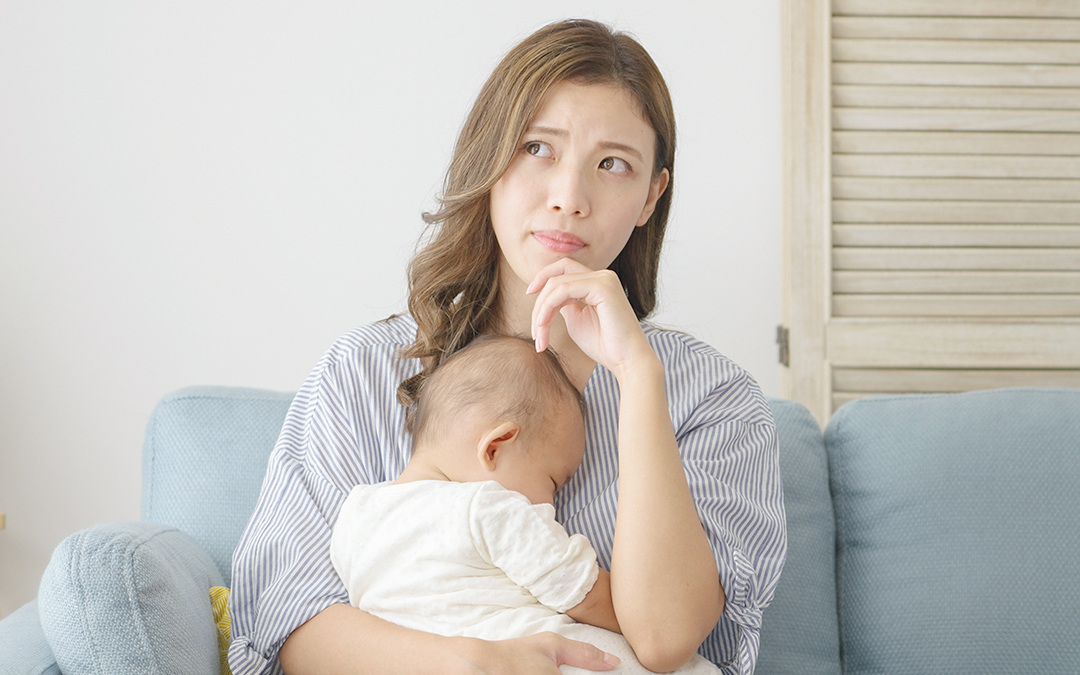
(611, 659)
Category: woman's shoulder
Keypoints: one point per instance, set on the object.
(393, 332)
(351, 392)
(677, 349)
(699, 377)
(365, 357)
(379, 343)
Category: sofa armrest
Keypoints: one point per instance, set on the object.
(23, 649)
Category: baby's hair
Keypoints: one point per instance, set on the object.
(503, 375)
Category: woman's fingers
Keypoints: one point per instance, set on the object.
(558, 268)
(573, 291)
(567, 652)
(599, 318)
(566, 280)
(539, 654)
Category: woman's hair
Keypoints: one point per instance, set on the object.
(453, 279)
(500, 377)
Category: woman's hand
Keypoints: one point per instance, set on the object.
(539, 654)
(342, 640)
(599, 318)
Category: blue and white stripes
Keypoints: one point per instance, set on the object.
(346, 427)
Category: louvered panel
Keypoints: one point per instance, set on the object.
(929, 343)
(995, 306)
(954, 194)
(901, 381)
(963, 143)
(1031, 98)
(956, 51)
(956, 189)
(958, 8)
(956, 166)
(956, 74)
(967, 28)
(955, 282)
(852, 211)
(955, 119)
(1013, 235)
(1067, 259)
(851, 384)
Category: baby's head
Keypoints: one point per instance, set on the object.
(498, 410)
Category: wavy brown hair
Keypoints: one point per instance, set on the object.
(454, 277)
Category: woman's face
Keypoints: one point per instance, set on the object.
(579, 184)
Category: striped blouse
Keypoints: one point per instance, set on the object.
(346, 427)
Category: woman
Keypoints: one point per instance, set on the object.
(551, 225)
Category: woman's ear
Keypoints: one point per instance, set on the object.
(656, 188)
(494, 442)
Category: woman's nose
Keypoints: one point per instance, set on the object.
(569, 191)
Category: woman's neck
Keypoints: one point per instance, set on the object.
(515, 309)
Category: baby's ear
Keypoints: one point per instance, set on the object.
(494, 442)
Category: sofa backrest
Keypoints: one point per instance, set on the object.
(799, 632)
(941, 530)
(204, 458)
(958, 523)
(206, 450)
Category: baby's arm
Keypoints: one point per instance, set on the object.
(536, 552)
(596, 608)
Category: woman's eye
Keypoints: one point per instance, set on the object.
(538, 149)
(615, 165)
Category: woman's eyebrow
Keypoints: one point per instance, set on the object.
(606, 145)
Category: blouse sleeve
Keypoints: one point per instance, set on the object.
(728, 442)
(282, 574)
(730, 456)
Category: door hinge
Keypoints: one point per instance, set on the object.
(782, 342)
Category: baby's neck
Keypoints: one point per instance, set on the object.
(418, 469)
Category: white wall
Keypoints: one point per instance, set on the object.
(211, 192)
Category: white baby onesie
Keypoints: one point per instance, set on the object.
(470, 559)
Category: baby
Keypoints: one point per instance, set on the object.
(465, 541)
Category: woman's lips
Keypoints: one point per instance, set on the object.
(558, 242)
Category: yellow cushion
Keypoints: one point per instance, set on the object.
(219, 602)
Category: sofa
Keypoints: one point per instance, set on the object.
(927, 534)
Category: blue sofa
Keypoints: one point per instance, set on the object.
(927, 534)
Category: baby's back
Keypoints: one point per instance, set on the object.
(458, 558)
(409, 554)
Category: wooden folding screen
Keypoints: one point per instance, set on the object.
(932, 196)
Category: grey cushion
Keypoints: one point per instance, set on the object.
(130, 599)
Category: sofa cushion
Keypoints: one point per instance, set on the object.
(204, 458)
(129, 599)
(27, 652)
(799, 633)
(957, 531)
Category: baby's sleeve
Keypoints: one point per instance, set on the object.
(533, 550)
